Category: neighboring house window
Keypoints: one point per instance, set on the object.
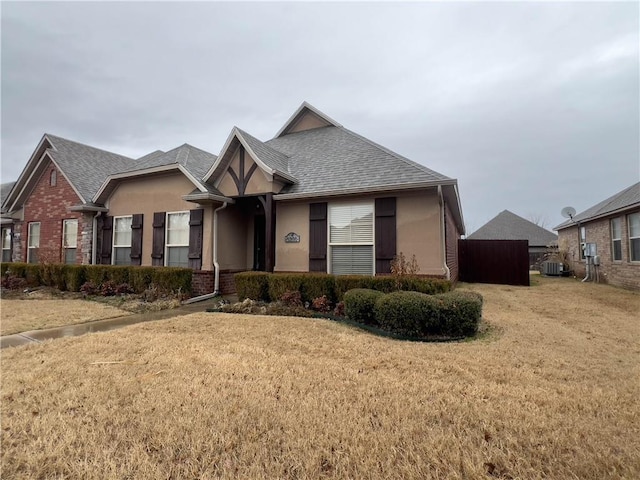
(177, 247)
(583, 242)
(616, 239)
(70, 240)
(122, 240)
(6, 244)
(351, 239)
(53, 178)
(634, 237)
(34, 242)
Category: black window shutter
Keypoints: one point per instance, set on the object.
(195, 238)
(385, 233)
(157, 250)
(318, 237)
(136, 239)
(107, 238)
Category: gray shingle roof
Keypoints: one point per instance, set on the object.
(628, 197)
(196, 161)
(86, 167)
(509, 226)
(273, 158)
(331, 159)
(5, 188)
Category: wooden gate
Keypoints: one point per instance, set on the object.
(494, 261)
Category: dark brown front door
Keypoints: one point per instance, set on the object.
(259, 231)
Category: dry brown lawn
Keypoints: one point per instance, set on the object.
(35, 314)
(551, 392)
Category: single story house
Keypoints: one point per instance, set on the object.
(613, 225)
(509, 226)
(316, 197)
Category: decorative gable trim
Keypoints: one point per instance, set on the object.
(229, 148)
(299, 113)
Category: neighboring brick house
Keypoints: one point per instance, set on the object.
(509, 226)
(614, 226)
(316, 197)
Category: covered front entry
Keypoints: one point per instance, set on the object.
(254, 219)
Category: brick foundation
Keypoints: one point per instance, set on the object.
(203, 282)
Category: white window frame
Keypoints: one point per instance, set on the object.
(582, 233)
(66, 246)
(168, 245)
(6, 242)
(31, 248)
(331, 244)
(636, 237)
(615, 238)
(114, 245)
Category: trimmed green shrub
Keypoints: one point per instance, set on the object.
(75, 276)
(452, 314)
(252, 285)
(359, 305)
(430, 286)
(310, 285)
(172, 279)
(97, 274)
(404, 313)
(388, 284)
(460, 312)
(140, 278)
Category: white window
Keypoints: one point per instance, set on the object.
(616, 239)
(351, 239)
(122, 240)
(34, 242)
(634, 237)
(177, 247)
(70, 240)
(53, 178)
(6, 244)
(583, 242)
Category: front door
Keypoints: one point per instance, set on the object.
(259, 231)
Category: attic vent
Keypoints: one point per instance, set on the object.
(551, 268)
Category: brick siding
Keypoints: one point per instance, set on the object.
(203, 282)
(622, 273)
(50, 205)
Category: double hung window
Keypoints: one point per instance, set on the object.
(634, 236)
(122, 240)
(6, 244)
(33, 245)
(616, 239)
(177, 246)
(351, 235)
(70, 240)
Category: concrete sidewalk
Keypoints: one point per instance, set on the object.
(105, 325)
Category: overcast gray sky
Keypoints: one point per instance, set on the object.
(531, 106)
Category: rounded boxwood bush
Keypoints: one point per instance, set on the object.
(359, 305)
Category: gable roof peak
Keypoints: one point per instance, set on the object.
(302, 110)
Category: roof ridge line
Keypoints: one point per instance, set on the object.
(394, 154)
(87, 145)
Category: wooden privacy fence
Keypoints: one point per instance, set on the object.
(494, 261)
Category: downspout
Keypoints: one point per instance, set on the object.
(94, 240)
(216, 265)
(443, 239)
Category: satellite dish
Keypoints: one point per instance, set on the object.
(568, 212)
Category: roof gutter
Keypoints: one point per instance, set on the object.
(361, 190)
(216, 265)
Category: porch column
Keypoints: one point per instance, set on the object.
(270, 232)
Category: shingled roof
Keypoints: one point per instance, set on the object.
(627, 198)
(509, 226)
(86, 167)
(333, 160)
(195, 160)
(5, 188)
